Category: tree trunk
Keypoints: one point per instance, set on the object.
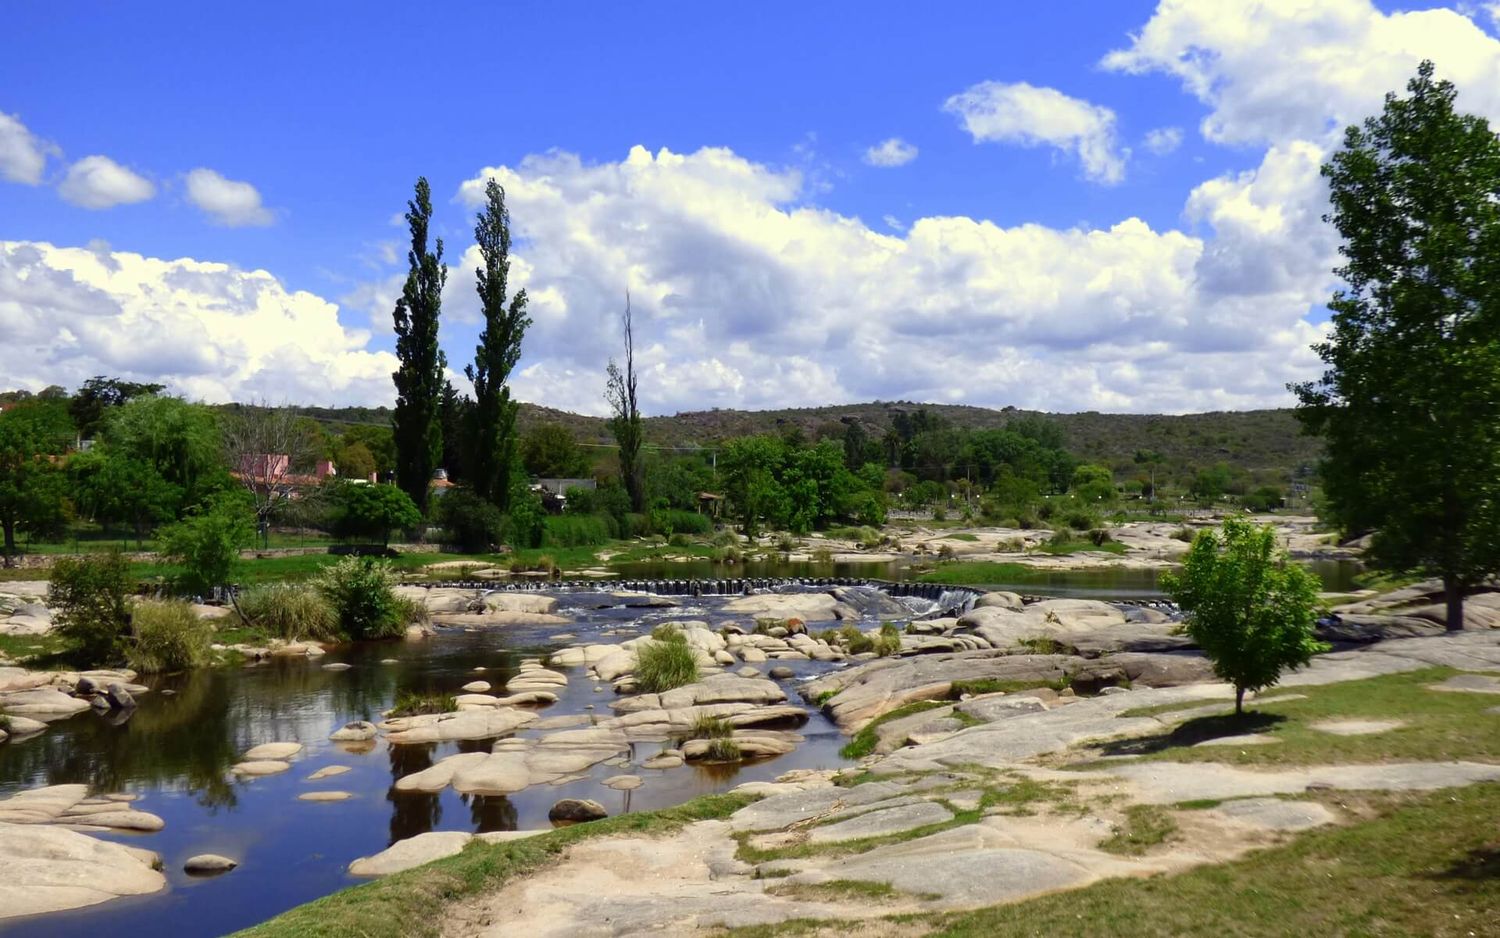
(1455, 595)
(1239, 700)
(10, 541)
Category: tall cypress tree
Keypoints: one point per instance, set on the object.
(419, 379)
(493, 449)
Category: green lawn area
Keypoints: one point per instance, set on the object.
(1438, 726)
(1079, 546)
(977, 573)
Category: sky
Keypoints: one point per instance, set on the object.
(1092, 205)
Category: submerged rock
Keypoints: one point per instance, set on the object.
(208, 864)
(354, 732)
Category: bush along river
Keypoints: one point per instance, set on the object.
(557, 708)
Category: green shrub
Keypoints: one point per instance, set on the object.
(576, 530)
(663, 665)
(725, 539)
(361, 510)
(854, 641)
(679, 540)
(1099, 537)
(636, 525)
(728, 554)
(91, 595)
(410, 704)
(361, 592)
(167, 636)
(676, 521)
(290, 611)
(945, 552)
(668, 632)
(785, 543)
(888, 642)
(1184, 534)
(474, 524)
(822, 555)
(412, 611)
(206, 544)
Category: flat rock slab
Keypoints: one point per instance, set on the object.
(623, 782)
(1171, 782)
(780, 811)
(49, 869)
(882, 822)
(1469, 684)
(272, 752)
(1276, 814)
(414, 851)
(261, 767)
(1243, 739)
(328, 771)
(324, 796)
(1356, 727)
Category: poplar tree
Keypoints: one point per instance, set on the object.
(493, 437)
(419, 379)
(625, 420)
(1410, 403)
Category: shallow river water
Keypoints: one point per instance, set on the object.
(175, 750)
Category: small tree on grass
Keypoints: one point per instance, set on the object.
(1248, 606)
(206, 544)
(370, 511)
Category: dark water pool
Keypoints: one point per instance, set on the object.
(176, 749)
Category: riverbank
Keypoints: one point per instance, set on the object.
(1361, 791)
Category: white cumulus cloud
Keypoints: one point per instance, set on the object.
(208, 330)
(99, 182)
(227, 202)
(1017, 112)
(892, 152)
(744, 295)
(1163, 140)
(23, 155)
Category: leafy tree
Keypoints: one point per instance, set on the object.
(494, 419)
(1211, 483)
(750, 468)
(1249, 608)
(526, 521)
(31, 484)
(98, 394)
(549, 451)
(455, 419)
(207, 543)
(419, 379)
(354, 461)
(1410, 403)
(377, 439)
(472, 523)
(625, 422)
(361, 510)
(179, 440)
(116, 488)
(92, 596)
(1094, 484)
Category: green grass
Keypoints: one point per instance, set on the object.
(1145, 826)
(411, 904)
(978, 573)
(863, 742)
(1064, 548)
(1424, 864)
(1438, 726)
(33, 647)
(663, 665)
(962, 536)
(723, 749)
(982, 686)
(410, 704)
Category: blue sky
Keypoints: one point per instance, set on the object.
(773, 261)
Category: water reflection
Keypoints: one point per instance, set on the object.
(412, 812)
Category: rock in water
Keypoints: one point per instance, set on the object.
(576, 810)
(208, 864)
(414, 851)
(358, 731)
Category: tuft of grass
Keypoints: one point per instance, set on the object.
(668, 632)
(709, 727)
(288, 610)
(167, 636)
(888, 642)
(411, 703)
(724, 749)
(981, 686)
(835, 890)
(663, 665)
(854, 641)
(1145, 826)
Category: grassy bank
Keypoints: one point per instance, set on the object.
(410, 904)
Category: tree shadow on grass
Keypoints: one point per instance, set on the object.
(1478, 864)
(1191, 733)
